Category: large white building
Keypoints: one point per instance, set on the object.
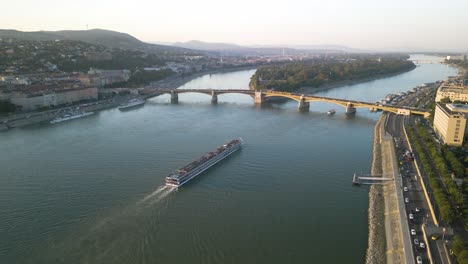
(450, 123)
(98, 77)
(453, 91)
(32, 101)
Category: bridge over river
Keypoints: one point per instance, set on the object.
(303, 100)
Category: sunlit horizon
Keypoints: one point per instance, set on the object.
(386, 25)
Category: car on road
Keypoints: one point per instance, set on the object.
(406, 200)
(411, 216)
(419, 259)
(417, 209)
(416, 241)
(434, 236)
(421, 245)
(413, 232)
(405, 189)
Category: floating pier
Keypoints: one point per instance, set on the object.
(370, 179)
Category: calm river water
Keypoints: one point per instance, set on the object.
(90, 190)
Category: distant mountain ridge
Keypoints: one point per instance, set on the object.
(264, 49)
(107, 38)
(208, 46)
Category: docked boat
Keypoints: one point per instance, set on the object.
(70, 116)
(132, 103)
(331, 112)
(194, 168)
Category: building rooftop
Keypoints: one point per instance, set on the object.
(457, 88)
(447, 108)
(461, 108)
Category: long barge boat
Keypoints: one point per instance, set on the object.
(194, 168)
(132, 103)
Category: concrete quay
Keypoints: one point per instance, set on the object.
(24, 119)
(389, 237)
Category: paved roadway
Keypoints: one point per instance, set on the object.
(414, 193)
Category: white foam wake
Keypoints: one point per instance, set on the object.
(162, 195)
(159, 190)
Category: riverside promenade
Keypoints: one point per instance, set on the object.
(389, 238)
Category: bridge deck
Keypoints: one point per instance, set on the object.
(298, 97)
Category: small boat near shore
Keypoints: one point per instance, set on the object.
(132, 103)
(331, 112)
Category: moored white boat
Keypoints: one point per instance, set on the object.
(132, 103)
(70, 117)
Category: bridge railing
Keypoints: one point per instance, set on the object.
(290, 95)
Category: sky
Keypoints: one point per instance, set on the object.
(365, 24)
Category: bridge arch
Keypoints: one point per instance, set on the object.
(303, 100)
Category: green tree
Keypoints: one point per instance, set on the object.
(445, 100)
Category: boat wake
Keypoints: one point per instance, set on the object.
(156, 196)
(106, 236)
(166, 191)
(155, 193)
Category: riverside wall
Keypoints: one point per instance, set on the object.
(376, 241)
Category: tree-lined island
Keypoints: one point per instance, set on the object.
(291, 76)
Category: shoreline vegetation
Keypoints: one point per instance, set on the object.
(311, 90)
(311, 76)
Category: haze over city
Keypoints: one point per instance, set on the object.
(276, 132)
(373, 25)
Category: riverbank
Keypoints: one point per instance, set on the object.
(376, 243)
(312, 90)
(25, 119)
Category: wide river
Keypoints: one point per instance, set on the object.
(90, 190)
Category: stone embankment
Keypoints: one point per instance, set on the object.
(376, 243)
(386, 226)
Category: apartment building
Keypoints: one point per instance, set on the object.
(450, 123)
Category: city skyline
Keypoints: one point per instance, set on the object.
(389, 25)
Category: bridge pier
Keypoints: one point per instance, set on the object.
(303, 106)
(259, 97)
(214, 97)
(174, 97)
(350, 109)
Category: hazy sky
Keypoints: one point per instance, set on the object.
(368, 24)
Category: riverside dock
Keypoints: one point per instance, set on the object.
(370, 179)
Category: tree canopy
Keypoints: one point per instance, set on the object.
(290, 76)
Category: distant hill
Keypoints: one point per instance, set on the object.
(234, 49)
(340, 48)
(200, 45)
(107, 38)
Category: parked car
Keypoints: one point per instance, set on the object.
(405, 189)
(421, 245)
(417, 209)
(406, 200)
(411, 216)
(419, 260)
(416, 241)
(413, 232)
